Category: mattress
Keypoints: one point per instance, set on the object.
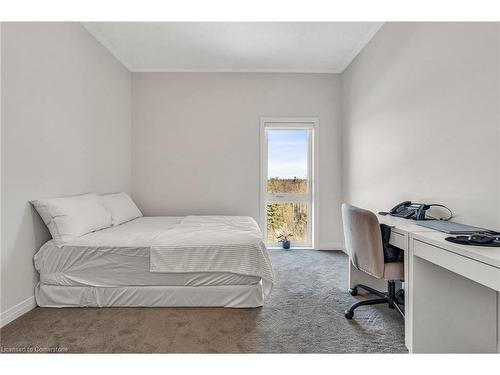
(119, 257)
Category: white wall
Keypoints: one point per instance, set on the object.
(498, 122)
(195, 141)
(420, 120)
(65, 130)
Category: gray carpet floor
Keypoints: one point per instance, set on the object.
(304, 314)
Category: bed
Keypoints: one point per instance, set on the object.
(204, 261)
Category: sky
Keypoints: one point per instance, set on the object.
(287, 153)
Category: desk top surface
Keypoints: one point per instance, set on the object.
(404, 225)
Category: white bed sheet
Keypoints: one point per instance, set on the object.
(119, 257)
(234, 296)
(214, 244)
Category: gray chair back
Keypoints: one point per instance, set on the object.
(363, 240)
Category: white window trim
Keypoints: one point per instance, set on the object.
(283, 123)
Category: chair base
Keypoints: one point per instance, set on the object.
(391, 298)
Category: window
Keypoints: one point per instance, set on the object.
(287, 186)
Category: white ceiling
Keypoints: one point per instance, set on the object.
(309, 47)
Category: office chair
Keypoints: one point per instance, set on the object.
(363, 240)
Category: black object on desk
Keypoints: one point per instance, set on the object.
(415, 211)
(477, 239)
(450, 227)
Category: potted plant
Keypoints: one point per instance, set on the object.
(284, 238)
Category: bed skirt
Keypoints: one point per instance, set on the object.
(235, 296)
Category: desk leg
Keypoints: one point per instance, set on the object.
(450, 314)
(498, 322)
(407, 288)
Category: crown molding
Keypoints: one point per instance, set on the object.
(106, 44)
(200, 70)
(360, 45)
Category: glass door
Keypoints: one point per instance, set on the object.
(287, 186)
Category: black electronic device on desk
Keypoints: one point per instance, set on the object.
(414, 211)
(486, 239)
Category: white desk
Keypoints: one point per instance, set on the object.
(452, 299)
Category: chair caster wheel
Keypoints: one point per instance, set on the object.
(353, 291)
(348, 315)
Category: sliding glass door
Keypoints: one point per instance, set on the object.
(287, 186)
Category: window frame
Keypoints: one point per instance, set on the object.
(292, 123)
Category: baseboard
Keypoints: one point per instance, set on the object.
(331, 246)
(17, 310)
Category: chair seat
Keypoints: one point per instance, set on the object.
(394, 271)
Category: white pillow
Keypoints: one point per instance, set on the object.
(121, 207)
(70, 217)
